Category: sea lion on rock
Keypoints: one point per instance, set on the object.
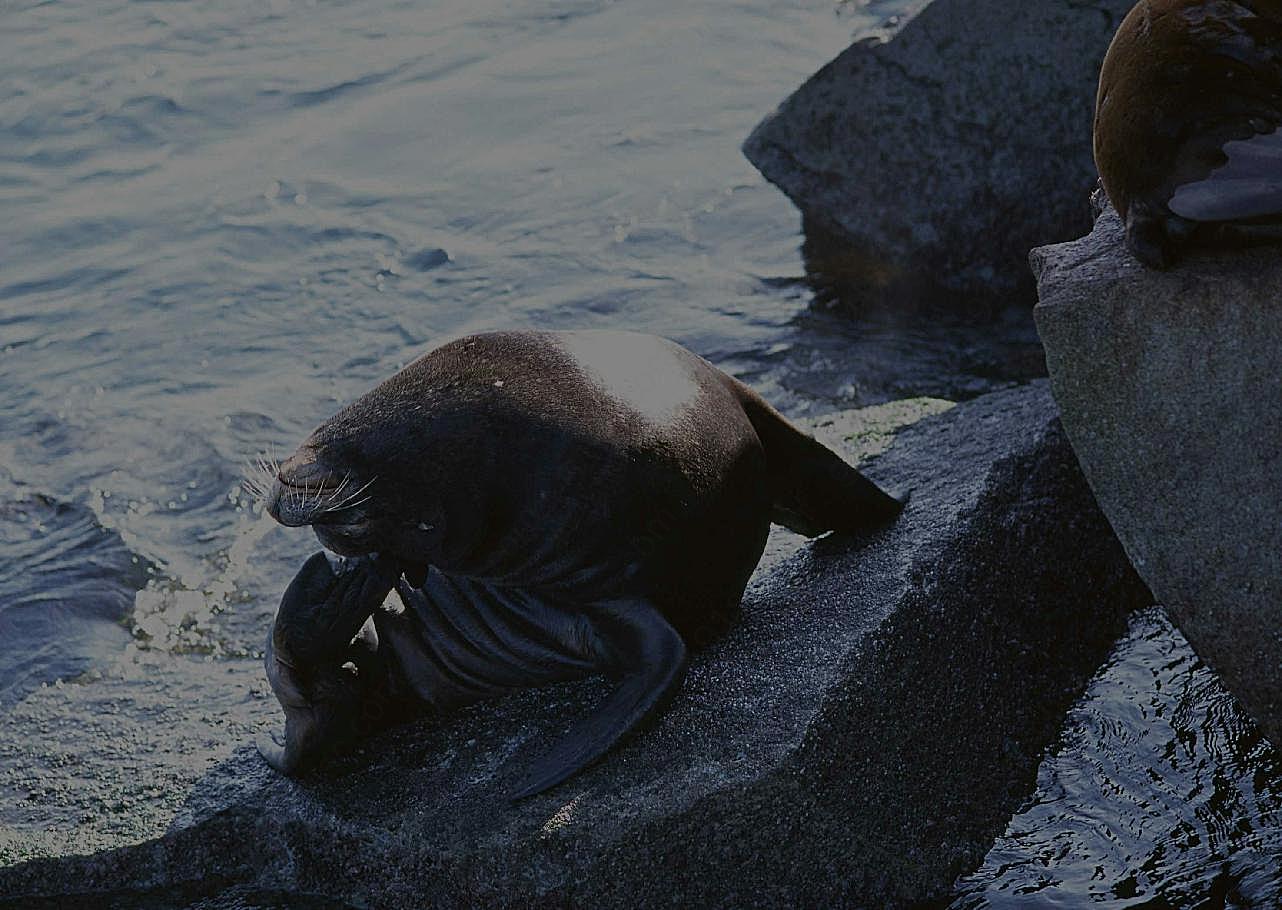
(1187, 120)
(548, 506)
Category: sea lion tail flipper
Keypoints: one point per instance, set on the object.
(636, 645)
(1248, 185)
(812, 488)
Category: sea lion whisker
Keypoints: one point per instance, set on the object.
(311, 501)
(354, 505)
(337, 491)
(334, 494)
(349, 502)
(259, 477)
(308, 501)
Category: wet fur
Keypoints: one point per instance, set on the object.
(610, 484)
(1183, 84)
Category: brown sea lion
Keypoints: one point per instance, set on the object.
(1186, 125)
(548, 506)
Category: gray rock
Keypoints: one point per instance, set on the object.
(858, 739)
(937, 160)
(1172, 395)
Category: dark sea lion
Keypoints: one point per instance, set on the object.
(1187, 120)
(549, 506)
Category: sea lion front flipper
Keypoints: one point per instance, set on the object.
(1149, 235)
(637, 646)
(311, 658)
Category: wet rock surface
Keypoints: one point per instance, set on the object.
(1172, 397)
(930, 164)
(109, 758)
(860, 736)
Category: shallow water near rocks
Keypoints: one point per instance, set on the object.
(222, 221)
(1161, 793)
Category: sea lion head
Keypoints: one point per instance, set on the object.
(358, 479)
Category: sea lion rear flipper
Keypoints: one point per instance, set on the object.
(638, 646)
(812, 488)
(1246, 186)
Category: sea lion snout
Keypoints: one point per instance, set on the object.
(300, 485)
(304, 468)
(308, 491)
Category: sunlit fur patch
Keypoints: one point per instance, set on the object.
(622, 366)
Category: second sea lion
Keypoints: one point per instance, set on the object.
(1187, 120)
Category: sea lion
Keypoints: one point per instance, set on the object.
(549, 506)
(1186, 125)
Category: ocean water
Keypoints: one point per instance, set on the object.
(224, 220)
(1161, 794)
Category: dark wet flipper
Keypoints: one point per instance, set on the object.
(321, 708)
(1247, 185)
(812, 489)
(824, 494)
(312, 730)
(323, 609)
(640, 649)
(1148, 235)
(311, 662)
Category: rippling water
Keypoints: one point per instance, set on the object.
(223, 220)
(1161, 794)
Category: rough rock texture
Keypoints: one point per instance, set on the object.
(106, 758)
(937, 160)
(1172, 395)
(858, 739)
